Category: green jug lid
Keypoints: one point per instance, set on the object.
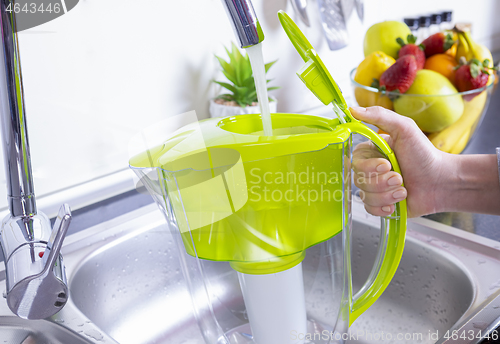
(314, 73)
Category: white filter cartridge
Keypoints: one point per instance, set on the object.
(276, 306)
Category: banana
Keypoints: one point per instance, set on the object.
(454, 138)
(469, 49)
(449, 137)
(462, 142)
(463, 48)
(479, 51)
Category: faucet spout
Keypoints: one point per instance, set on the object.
(35, 276)
(245, 24)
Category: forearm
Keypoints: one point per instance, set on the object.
(471, 184)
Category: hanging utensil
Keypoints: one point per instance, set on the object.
(299, 6)
(347, 8)
(333, 23)
(360, 8)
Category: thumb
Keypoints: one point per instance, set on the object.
(387, 120)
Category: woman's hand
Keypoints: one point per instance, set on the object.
(422, 165)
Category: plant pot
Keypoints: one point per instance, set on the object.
(220, 110)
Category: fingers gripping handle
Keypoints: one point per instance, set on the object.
(391, 245)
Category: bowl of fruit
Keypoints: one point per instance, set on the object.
(444, 83)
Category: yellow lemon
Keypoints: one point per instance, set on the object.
(372, 67)
(385, 101)
(367, 98)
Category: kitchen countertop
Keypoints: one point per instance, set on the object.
(485, 140)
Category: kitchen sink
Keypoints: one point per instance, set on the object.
(14, 330)
(127, 286)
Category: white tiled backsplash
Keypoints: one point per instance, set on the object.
(97, 75)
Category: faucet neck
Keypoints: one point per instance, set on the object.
(244, 21)
(20, 189)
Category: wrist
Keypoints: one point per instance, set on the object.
(470, 183)
(447, 182)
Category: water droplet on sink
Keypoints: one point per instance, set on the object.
(495, 285)
(94, 334)
(481, 325)
(481, 261)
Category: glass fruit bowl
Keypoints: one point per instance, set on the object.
(449, 120)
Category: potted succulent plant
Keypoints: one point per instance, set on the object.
(242, 95)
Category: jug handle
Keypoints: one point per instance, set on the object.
(394, 242)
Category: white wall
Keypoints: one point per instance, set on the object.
(100, 73)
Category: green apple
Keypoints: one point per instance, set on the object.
(431, 101)
(382, 36)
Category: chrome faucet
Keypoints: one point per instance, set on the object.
(245, 24)
(35, 276)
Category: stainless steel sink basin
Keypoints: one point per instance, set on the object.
(132, 287)
(430, 291)
(126, 284)
(18, 331)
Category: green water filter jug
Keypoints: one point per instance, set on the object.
(263, 223)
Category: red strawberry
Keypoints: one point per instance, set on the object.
(437, 43)
(412, 49)
(400, 75)
(471, 75)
